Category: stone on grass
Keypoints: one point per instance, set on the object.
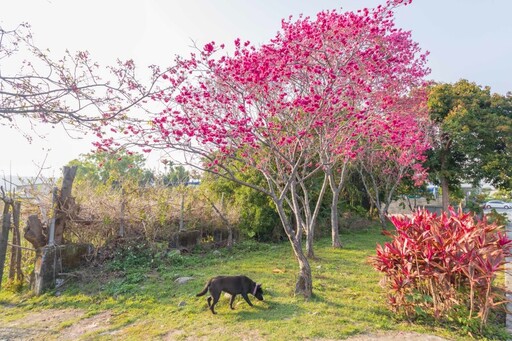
(183, 280)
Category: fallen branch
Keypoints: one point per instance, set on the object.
(21, 247)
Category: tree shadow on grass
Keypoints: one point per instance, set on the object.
(322, 299)
(270, 311)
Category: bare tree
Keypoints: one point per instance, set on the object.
(73, 91)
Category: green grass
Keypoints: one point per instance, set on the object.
(143, 300)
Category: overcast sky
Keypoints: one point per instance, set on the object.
(469, 39)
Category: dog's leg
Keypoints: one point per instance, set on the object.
(231, 301)
(209, 299)
(215, 300)
(244, 295)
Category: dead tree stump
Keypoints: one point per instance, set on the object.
(34, 232)
(64, 203)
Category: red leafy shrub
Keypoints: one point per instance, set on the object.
(437, 264)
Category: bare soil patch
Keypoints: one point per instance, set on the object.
(48, 325)
(37, 325)
(88, 325)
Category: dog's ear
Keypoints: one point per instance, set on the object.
(258, 285)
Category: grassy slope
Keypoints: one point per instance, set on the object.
(144, 303)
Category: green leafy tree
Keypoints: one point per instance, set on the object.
(258, 216)
(114, 169)
(175, 175)
(497, 132)
(473, 136)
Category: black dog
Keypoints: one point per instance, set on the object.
(233, 285)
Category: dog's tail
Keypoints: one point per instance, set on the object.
(205, 288)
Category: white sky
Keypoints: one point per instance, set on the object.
(466, 38)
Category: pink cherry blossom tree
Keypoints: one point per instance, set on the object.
(291, 108)
(394, 149)
(351, 69)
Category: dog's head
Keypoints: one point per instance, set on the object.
(258, 292)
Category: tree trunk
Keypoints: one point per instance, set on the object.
(310, 236)
(311, 219)
(382, 218)
(445, 194)
(378, 205)
(380, 208)
(336, 189)
(386, 209)
(304, 285)
(4, 238)
(335, 234)
(63, 204)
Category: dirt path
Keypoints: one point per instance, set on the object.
(73, 324)
(53, 324)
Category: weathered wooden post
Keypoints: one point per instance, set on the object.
(64, 203)
(15, 273)
(122, 228)
(52, 254)
(4, 237)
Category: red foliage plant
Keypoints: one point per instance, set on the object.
(435, 263)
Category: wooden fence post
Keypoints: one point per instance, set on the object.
(4, 238)
(15, 272)
(121, 232)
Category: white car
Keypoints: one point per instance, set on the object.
(497, 204)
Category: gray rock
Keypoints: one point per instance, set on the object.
(183, 280)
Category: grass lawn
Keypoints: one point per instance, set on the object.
(137, 298)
